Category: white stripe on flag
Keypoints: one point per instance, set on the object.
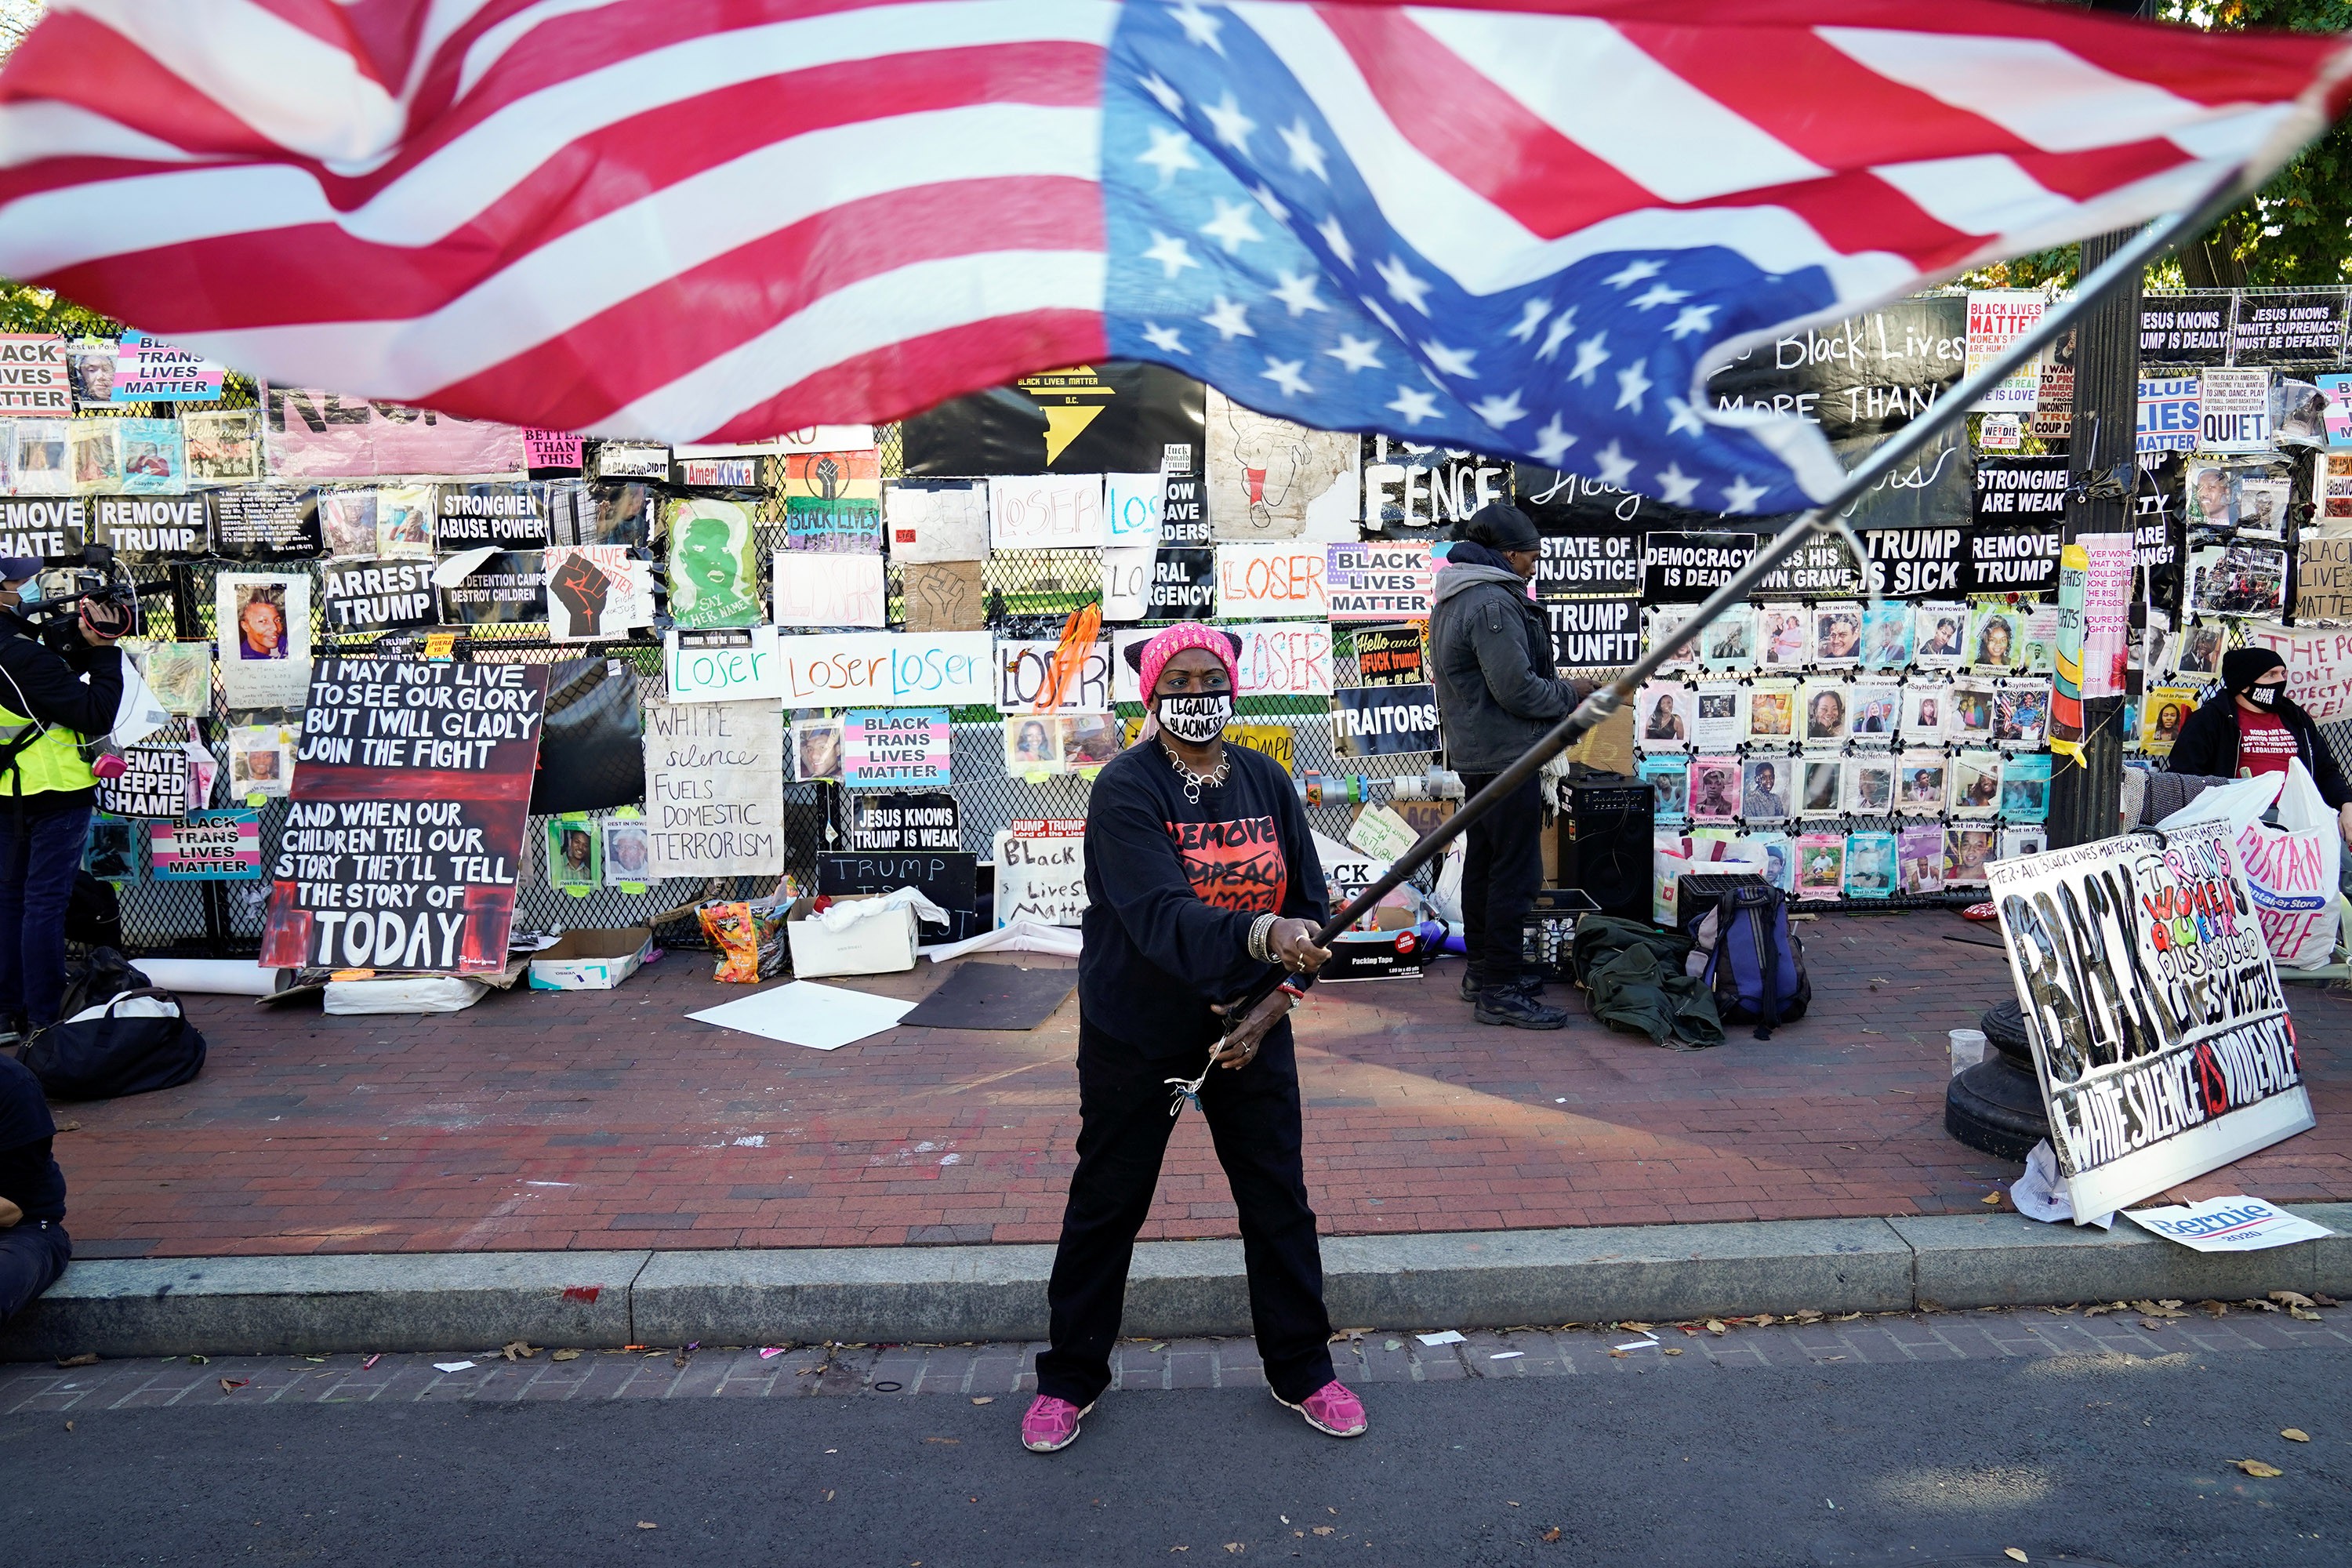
(1589, 82)
(35, 128)
(1989, 194)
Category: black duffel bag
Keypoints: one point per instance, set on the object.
(109, 1057)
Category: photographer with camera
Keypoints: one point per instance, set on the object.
(60, 686)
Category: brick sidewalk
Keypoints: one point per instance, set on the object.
(607, 1120)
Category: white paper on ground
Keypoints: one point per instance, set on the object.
(2041, 1193)
(451, 1365)
(1021, 936)
(211, 976)
(822, 1017)
(1637, 1345)
(2238, 1224)
(1442, 1337)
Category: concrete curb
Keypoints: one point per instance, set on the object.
(250, 1306)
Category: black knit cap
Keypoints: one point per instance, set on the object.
(2241, 668)
(1500, 525)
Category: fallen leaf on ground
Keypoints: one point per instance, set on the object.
(1808, 1316)
(69, 1126)
(984, 1399)
(949, 1442)
(2295, 1433)
(1668, 1353)
(1992, 1198)
(69, 1425)
(2152, 1323)
(1716, 1326)
(2259, 1306)
(2292, 1299)
(1323, 1529)
(2013, 1555)
(231, 1384)
(1847, 1318)
(201, 1360)
(2305, 1313)
(1234, 1547)
(2214, 1309)
(519, 1349)
(2159, 1309)
(2258, 1469)
(565, 1355)
(1763, 1320)
(1636, 1328)
(86, 1358)
(1551, 1534)
(642, 1525)
(2110, 1307)
(2325, 1300)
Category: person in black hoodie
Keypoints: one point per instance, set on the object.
(1498, 692)
(33, 1244)
(1200, 877)
(2251, 726)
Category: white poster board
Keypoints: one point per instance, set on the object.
(1260, 580)
(1045, 511)
(887, 669)
(714, 789)
(263, 622)
(1041, 873)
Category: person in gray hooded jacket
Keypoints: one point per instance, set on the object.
(1498, 693)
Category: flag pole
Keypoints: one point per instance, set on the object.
(1825, 518)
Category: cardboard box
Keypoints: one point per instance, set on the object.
(1608, 747)
(883, 945)
(591, 959)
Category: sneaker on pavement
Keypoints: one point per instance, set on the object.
(1051, 1424)
(1511, 1006)
(1331, 1410)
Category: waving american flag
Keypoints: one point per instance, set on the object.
(1528, 228)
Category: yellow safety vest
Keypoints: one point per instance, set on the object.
(51, 762)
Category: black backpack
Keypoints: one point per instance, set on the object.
(110, 1057)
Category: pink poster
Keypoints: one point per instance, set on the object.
(552, 450)
(325, 435)
(2106, 613)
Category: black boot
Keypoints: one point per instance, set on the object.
(1472, 982)
(1507, 1005)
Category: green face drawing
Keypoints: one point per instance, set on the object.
(704, 558)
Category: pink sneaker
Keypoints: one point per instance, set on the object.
(1052, 1425)
(1331, 1410)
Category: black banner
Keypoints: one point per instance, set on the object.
(1593, 634)
(1183, 586)
(2185, 329)
(262, 523)
(1412, 492)
(2012, 560)
(2289, 329)
(1865, 376)
(1916, 562)
(1684, 568)
(903, 824)
(949, 879)
(2160, 539)
(153, 785)
(1116, 417)
(1823, 568)
(1384, 721)
(508, 588)
(1389, 655)
(152, 528)
(1930, 488)
(378, 595)
(1571, 503)
(2014, 491)
(1185, 515)
(507, 516)
(1590, 563)
(54, 528)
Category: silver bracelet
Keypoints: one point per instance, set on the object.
(1260, 929)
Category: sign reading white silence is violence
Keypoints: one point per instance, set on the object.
(2158, 1027)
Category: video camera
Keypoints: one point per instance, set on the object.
(97, 586)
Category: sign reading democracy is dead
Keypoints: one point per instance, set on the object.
(411, 798)
(2159, 1031)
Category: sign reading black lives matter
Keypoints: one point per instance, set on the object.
(410, 803)
(1384, 721)
(2159, 1030)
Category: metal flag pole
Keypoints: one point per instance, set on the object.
(1826, 518)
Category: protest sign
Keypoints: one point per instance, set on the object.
(1183, 584)
(506, 517)
(209, 847)
(829, 589)
(2168, 415)
(1411, 490)
(33, 377)
(2318, 666)
(1916, 562)
(936, 519)
(1596, 564)
(1132, 508)
(1269, 479)
(887, 669)
(148, 369)
(2284, 329)
(262, 625)
(1865, 376)
(1821, 567)
(260, 762)
(2323, 575)
(1930, 488)
(2012, 561)
(833, 501)
(944, 597)
(712, 579)
(1998, 317)
(632, 460)
(153, 784)
(1684, 568)
(949, 878)
(321, 435)
(2019, 490)
(714, 789)
(2233, 408)
(1271, 579)
(1126, 583)
(412, 793)
(1045, 511)
(54, 529)
(895, 748)
(2185, 329)
(2158, 1029)
(1041, 873)
(2238, 1224)
(737, 473)
(1594, 634)
(553, 450)
(1278, 659)
(2106, 613)
(224, 445)
(1025, 670)
(1183, 512)
(376, 595)
(154, 457)
(1384, 721)
(1113, 417)
(2053, 408)
(39, 463)
(1375, 581)
(723, 666)
(505, 587)
(596, 591)
(262, 523)
(171, 528)
(588, 511)
(1389, 655)
(902, 824)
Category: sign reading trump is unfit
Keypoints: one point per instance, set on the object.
(2158, 1028)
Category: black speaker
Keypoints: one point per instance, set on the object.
(1605, 825)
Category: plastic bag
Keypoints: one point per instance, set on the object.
(2238, 803)
(749, 938)
(2292, 871)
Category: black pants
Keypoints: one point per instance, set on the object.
(33, 1253)
(1123, 1132)
(1501, 870)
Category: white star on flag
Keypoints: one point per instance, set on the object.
(1307, 154)
(1164, 338)
(1552, 442)
(1283, 374)
(1616, 467)
(1739, 496)
(1634, 272)
(1232, 227)
(1687, 419)
(1233, 126)
(1453, 361)
(1169, 98)
(1674, 486)
(1231, 319)
(1590, 357)
(1403, 287)
(1337, 238)
(1632, 382)
(1556, 333)
(1170, 151)
(1198, 24)
(1169, 252)
(1659, 294)
(1270, 202)
(1297, 292)
(1356, 353)
(1532, 315)
(1413, 405)
(1499, 411)
(1692, 318)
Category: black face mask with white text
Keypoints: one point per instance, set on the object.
(1196, 720)
(2265, 696)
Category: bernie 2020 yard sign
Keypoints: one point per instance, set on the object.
(2159, 1030)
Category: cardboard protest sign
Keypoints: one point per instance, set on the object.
(1377, 582)
(2159, 1031)
(378, 595)
(33, 377)
(1115, 416)
(209, 847)
(595, 591)
(1268, 479)
(714, 789)
(902, 824)
(1411, 490)
(944, 597)
(936, 519)
(1389, 655)
(163, 529)
(1126, 583)
(1045, 511)
(1865, 376)
(1041, 873)
(713, 581)
(411, 798)
(323, 434)
(153, 784)
(1271, 579)
(507, 588)
(887, 669)
(262, 523)
(263, 623)
(895, 748)
(2323, 575)
(816, 588)
(506, 517)
(1384, 721)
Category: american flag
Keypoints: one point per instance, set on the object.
(1528, 229)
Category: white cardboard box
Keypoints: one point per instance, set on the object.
(591, 959)
(882, 944)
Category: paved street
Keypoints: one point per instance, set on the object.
(1911, 1439)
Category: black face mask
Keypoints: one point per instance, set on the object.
(2265, 696)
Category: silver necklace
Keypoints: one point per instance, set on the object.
(1193, 782)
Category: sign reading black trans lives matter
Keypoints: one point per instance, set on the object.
(409, 806)
(2159, 1031)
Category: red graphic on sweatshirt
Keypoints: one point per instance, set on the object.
(1236, 865)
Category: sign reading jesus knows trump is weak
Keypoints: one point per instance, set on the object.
(2159, 1031)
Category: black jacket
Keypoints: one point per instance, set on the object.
(46, 685)
(2208, 745)
(1490, 654)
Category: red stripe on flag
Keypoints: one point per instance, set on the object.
(72, 60)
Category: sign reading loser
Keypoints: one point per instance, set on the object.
(2159, 1031)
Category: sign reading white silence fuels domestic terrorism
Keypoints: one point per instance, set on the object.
(2159, 1030)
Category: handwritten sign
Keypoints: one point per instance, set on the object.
(2323, 576)
(886, 669)
(1045, 511)
(1376, 581)
(723, 666)
(1272, 579)
(1041, 875)
(2318, 666)
(1126, 583)
(1278, 658)
(935, 520)
(714, 789)
(895, 748)
(1024, 669)
(820, 589)
(1132, 508)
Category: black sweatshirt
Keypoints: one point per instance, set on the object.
(29, 1177)
(2208, 745)
(1173, 887)
(46, 686)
